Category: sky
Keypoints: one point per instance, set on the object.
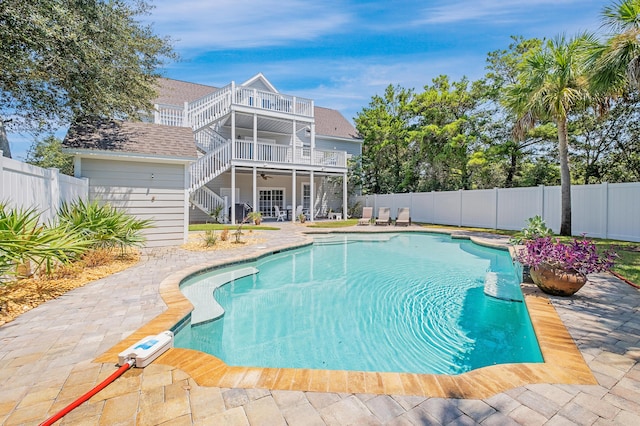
(342, 53)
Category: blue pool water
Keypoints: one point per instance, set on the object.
(405, 302)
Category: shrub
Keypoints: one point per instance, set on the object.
(577, 256)
(103, 226)
(536, 228)
(224, 235)
(27, 245)
(210, 237)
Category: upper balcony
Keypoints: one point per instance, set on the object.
(206, 110)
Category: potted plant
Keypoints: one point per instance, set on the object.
(561, 268)
(536, 228)
(302, 218)
(256, 217)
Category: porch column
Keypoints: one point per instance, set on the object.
(233, 195)
(313, 142)
(293, 142)
(255, 137)
(233, 135)
(294, 204)
(312, 200)
(255, 189)
(344, 196)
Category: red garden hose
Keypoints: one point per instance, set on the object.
(86, 396)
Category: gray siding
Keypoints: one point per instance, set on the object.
(152, 191)
(353, 148)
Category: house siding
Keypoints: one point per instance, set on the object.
(353, 148)
(145, 190)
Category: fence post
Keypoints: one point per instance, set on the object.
(541, 201)
(1, 177)
(605, 210)
(495, 215)
(460, 208)
(54, 191)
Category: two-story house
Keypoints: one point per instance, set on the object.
(223, 150)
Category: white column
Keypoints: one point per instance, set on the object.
(294, 203)
(185, 115)
(255, 189)
(255, 137)
(313, 142)
(344, 196)
(187, 182)
(233, 195)
(293, 143)
(233, 135)
(312, 200)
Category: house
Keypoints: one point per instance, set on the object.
(230, 150)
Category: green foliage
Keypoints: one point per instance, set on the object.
(215, 214)
(255, 217)
(48, 153)
(536, 228)
(26, 243)
(104, 226)
(64, 59)
(210, 237)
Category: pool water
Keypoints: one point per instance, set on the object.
(402, 302)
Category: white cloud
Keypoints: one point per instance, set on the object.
(487, 10)
(231, 24)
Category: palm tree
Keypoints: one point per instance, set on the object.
(616, 63)
(552, 82)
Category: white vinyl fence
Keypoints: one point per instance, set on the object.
(598, 211)
(25, 185)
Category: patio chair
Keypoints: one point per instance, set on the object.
(404, 216)
(384, 216)
(366, 216)
(280, 215)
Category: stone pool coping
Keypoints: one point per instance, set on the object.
(563, 362)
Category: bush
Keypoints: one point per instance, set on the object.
(102, 225)
(26, 245)
(536, 228)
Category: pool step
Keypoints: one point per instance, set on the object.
(502, 286)
(200, 293)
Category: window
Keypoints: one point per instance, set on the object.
(267, 198)
(306, 196)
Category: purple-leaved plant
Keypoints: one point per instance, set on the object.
(578, 256)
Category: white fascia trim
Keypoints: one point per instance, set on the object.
(128, 156)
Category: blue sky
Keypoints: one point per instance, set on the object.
(341, 53)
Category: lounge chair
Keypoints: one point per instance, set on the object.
(384, 216)
(280, 215)
(404, 217)
(366, 216)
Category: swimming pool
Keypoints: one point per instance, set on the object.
(406, 302)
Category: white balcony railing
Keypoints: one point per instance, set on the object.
(274, 153)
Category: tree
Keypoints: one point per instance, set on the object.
(552, 83)
(48, 153)
(445, 131)
(67, 59)
(384, 126)
(616, 63)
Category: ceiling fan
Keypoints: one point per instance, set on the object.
(265, 176)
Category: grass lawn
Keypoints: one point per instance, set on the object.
(333, 223)
(221, 226)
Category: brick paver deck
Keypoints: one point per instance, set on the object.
(52, 354)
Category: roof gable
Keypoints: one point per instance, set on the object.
(260, 82)
(332, 123)
(118, 137)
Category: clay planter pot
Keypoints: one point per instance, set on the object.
(557, 282)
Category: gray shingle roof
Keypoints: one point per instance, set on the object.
(176, 92)
(137, 138)
(329, 122)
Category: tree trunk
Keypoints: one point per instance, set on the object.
(565, 178)
(4, 142)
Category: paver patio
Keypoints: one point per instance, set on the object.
(47, 360)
